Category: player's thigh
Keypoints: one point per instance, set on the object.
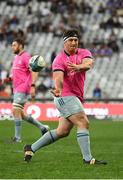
(18, 104)
(68, 105)
(64, 127)
(80, 120)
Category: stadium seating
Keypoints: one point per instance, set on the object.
(107, 71)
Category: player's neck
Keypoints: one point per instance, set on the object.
(21, 52)
(69, 53)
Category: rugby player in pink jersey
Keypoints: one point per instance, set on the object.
(23, 80)
(69, 69)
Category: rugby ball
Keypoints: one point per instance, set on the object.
(37, 63)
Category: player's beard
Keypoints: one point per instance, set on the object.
(17, 51)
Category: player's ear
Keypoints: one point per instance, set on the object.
(21, 46)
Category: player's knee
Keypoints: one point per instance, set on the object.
(16, 112)
(87, 124)
(83, 122)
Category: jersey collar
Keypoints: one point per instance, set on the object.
(69, 54)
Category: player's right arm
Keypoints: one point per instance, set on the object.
(6, 80)
(58, 77)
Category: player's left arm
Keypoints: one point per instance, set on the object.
(85, 65)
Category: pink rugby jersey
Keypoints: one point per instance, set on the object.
(73, 81)
(21, 74)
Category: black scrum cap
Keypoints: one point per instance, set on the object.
(70, 34)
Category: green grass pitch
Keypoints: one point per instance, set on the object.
(62, 160)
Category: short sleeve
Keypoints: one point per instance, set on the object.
(58, 64)
(86, 54)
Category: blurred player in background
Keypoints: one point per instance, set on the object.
(69, 69)
(23, 84)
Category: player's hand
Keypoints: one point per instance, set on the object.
(1, 82)
(73, 67)
(56, 92)
(6, 80)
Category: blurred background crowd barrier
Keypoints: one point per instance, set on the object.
(41, 24)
